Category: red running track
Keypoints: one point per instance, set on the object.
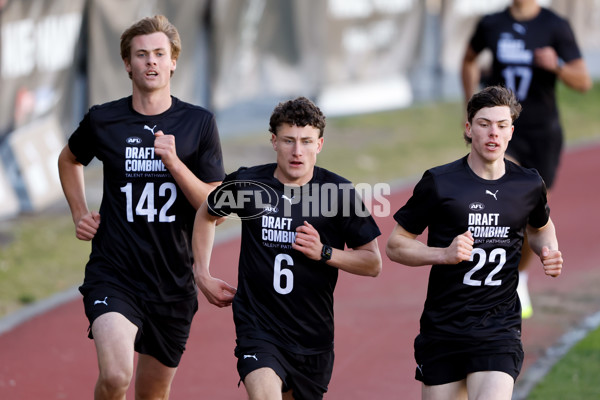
(50, 357)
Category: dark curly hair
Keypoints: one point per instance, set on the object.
(299, 112)
(492, 96)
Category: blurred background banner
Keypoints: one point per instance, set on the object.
(36, 147)
(8, 197)
(37, 63)
(239, 58)
(370, 48)
(339, 52)
(263, 49)
(37, 48)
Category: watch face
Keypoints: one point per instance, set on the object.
(326, 252)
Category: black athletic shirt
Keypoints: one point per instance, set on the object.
(283, 296)
(475, 300)
(512, 43)
(143, 244)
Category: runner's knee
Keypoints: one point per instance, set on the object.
(115, 380)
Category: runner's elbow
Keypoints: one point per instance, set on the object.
(376, 268)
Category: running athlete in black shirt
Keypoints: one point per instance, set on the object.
(531, 48)
(161, 157)
(477, 210)
(296, 221)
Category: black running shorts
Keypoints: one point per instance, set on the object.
(307, 375)
(163, 328)
(444, 361)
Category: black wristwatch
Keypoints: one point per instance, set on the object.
(326, 253)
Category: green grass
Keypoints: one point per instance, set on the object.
(580, 113)
(575, 376)
(42, 257)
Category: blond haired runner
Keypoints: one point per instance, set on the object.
(161, 157)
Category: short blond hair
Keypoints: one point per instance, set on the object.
(146, 26)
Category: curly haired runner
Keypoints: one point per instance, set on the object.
(291, 253)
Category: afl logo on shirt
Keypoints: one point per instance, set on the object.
(476, 206)
(247, 199)
(133, 140)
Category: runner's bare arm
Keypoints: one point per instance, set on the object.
(404, 248)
